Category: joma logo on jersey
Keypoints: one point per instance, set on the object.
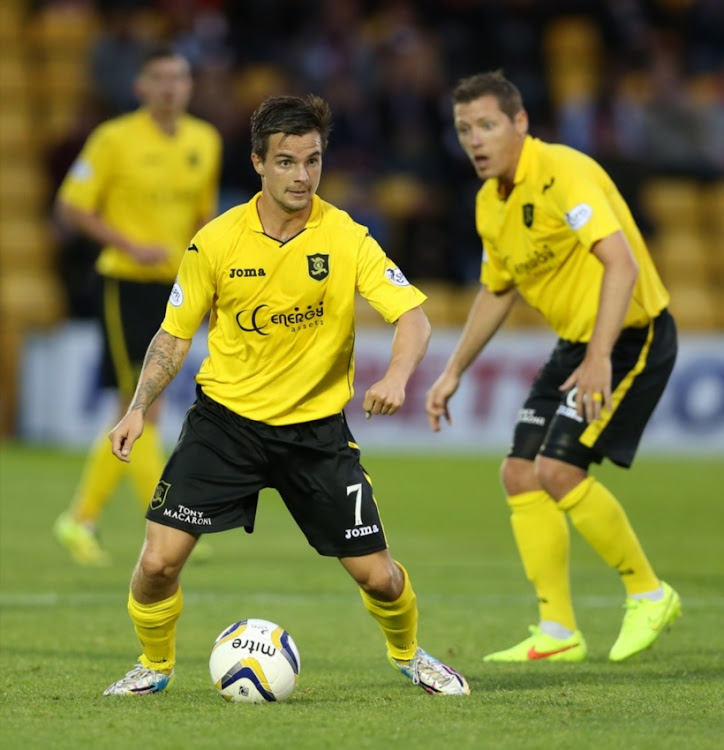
(237, 273)
(358, 531)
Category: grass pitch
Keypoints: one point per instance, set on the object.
(65, 634)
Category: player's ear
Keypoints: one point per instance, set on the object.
(520, 121)
(258, 164)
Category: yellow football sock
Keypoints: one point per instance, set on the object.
(147, 462)
(397, 619)
(101, 475)
(603, 523)
(541, 533)
(156, 629)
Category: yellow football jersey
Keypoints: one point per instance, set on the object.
(281, 329)
(154, 188)
(540, 239)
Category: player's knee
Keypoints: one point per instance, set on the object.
(157, 566)
(517, 475)
(557, 477)
(382, 581)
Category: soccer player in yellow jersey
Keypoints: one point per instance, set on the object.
(143, 183)
(278, 276)
(556, 231)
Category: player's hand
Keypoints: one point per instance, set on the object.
(124, 435)
(437, 397)
(592, 379)
(146, 254)
(385, 396)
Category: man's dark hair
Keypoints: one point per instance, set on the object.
(494, 84)
(291, 115)
(159, 52)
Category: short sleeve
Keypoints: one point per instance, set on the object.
(588, 212)
(87, 180)
(192, 293)
(492, 272)
(383, 284)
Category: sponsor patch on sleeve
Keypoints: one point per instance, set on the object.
(579, 216)
(177, 295)
(396, 277)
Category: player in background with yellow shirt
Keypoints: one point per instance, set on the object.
(556, 231)
(143, 183)
(278, 275)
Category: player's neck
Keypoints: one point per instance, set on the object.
(278, 223)
(166, 121)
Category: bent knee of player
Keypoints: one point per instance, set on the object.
(518, 475)
(379, 577)
(556, 477)
(156, 567)
(163, 556)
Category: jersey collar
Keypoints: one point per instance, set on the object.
(524, 162)
(523, 167)
(315, 216)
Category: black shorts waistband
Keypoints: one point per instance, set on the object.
(208, 402)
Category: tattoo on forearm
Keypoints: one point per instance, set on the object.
(163, 360)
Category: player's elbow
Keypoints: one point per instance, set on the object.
(68, 216)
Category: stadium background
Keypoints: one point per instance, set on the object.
(638, 84)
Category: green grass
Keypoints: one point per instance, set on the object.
(65, 634)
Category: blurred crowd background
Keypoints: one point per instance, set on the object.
(638, 84)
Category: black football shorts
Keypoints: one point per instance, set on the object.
(222, 460)
(132, 314)
(642, 360)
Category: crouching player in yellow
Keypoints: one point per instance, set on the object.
(556, 231)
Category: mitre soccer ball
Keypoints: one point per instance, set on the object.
(254, 661)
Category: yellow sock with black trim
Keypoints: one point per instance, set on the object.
(101, 474)
(541, 534)
(603, 523)
(155, 626)
(398, 619)
(147, 462)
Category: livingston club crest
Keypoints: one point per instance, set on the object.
(159, 496)
(528, 214)
(318, 266)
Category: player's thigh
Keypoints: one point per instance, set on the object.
(641, 361)
(543, 400)
(212, 478)
(326, 489)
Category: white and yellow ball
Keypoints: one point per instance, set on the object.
(254, 661)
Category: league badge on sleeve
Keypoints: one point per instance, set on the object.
(579, 216)
(396, 277)
(81, 170)
(177, 295)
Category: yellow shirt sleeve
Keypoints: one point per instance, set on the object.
(87, 180)
(192, 293)
(383, 284)
(492, 273)
(588, 212)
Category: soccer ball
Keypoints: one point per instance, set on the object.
(254, 661)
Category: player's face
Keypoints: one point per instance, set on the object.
(291, 170)
(164, 85)
(491, 140)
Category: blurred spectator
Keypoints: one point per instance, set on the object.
(116, 56)
(643, 92)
